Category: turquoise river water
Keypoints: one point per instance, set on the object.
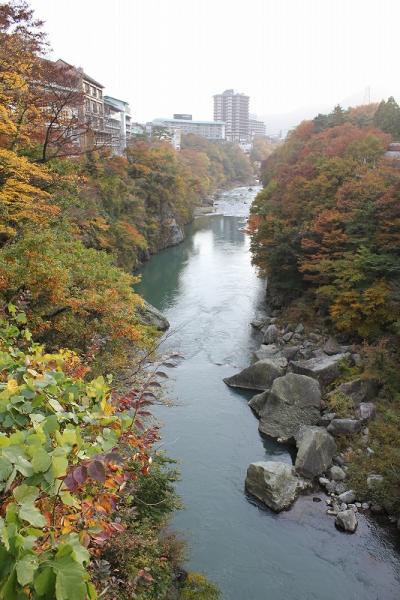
(209, 291)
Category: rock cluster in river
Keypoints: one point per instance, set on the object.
(292, 373)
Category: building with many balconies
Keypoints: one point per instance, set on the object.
(233, 109)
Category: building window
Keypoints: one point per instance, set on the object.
(100, 94)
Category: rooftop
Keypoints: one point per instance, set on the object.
(187, 122)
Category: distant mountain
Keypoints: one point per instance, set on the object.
(282, 123)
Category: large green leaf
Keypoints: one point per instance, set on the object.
(59, 466)
(5, 468)
(41, 460)
(44, 583)
(70, 579)
(29, 512)
(26, 568)
(26, 493)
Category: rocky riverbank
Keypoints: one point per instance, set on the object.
(304, 378)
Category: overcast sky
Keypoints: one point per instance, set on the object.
(166, 56)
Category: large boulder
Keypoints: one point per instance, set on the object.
(258, 401)
(358, 390)
(294, 400)
(323, 368)
(274, 483)
(150, 315)
(346, 520)
(316, 449)
(258, 376)
(344, 426)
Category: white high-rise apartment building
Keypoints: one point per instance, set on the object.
(233, 109)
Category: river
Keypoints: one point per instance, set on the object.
(209, 291)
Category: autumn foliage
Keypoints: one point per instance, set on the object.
(328, 221)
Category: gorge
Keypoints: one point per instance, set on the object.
(209, 292)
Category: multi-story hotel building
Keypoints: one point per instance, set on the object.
(233, 109)
(92, 109)
(117, 122)
(256, 127)
(212, 130)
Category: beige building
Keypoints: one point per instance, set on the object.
(256, 127)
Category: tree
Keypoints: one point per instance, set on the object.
(387, 117)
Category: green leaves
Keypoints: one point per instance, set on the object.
(44, 583)
(26, 568)
(29, 512)
(70, 577)
(41, 460)
(26, 495)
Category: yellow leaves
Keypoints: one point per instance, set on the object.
(365, 311)
(22, 197)
(107, 408)
(12, 385)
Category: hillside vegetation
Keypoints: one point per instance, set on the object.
(326, 232)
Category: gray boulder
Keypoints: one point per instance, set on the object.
(331, 347)
(344, 426)
(294, 400)
(290, 352)
(271, 334)
(258, 401)
(348, 497)
(366, 411)
(260, 322)
(150, 315)
(358, 390)
(266, 351)
(323, 368)
(337, 473)
(287, 336)
(274, 483)
(316, 448)
(258, 376)
(346, 520)
(374, 481)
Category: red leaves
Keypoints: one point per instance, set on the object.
(97, 471)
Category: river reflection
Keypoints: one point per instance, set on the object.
(209, 292)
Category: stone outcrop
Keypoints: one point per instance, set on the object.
(316, 449)
(294, 400)
(274, 483)
(323, 368)
(172, 233)
(258, 376)
(150, 315)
